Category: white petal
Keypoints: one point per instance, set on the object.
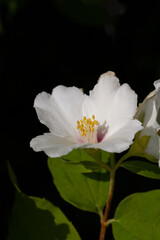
(53, 146)
(149, 110)
(153, 145)
(61, 110)
(101, 97)
(111, 103)
(122, 109)
(122, 139)
(157, 99)
(157, 84)
(43, 108)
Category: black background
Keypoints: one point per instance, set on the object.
(42, 47)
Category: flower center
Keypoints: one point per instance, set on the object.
(87, 128)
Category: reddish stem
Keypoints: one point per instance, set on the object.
(108, 206)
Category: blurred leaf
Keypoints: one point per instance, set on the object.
(87, 191)
(12, 176)
(33, 218)
(138, 217)
(114, 7)
(93, 12)
(11, 8)
(84, 11)
(142, 168)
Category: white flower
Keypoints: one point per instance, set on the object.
(103, 120)
(149, 114)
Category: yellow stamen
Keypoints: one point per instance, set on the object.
(86, 127)
(95, 122)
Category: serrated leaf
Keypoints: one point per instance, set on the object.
(87, 191)
(138, 217)
(142, 168)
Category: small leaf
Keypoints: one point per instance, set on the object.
(142, 168)
(138, 217)
(139, 145)
(87, 191)
(138, 148)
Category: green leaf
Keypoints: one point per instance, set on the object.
(138, 148)
(142, 168)
(87, 160)
(33, 218)
(84, 166)
(12, 176)
(78, 155)
(99, 155)
(139, 145)
(87, 191)
(138, 217)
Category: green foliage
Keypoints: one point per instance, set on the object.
(99, 155)
(138, 148)
(12, 176)
(87, 191)
(34, 218)
(87, 160)
(143, 168)
(37, 219)
(138, 217)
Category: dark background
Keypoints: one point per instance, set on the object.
(47, 43)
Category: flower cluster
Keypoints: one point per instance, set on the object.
(106, 119)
